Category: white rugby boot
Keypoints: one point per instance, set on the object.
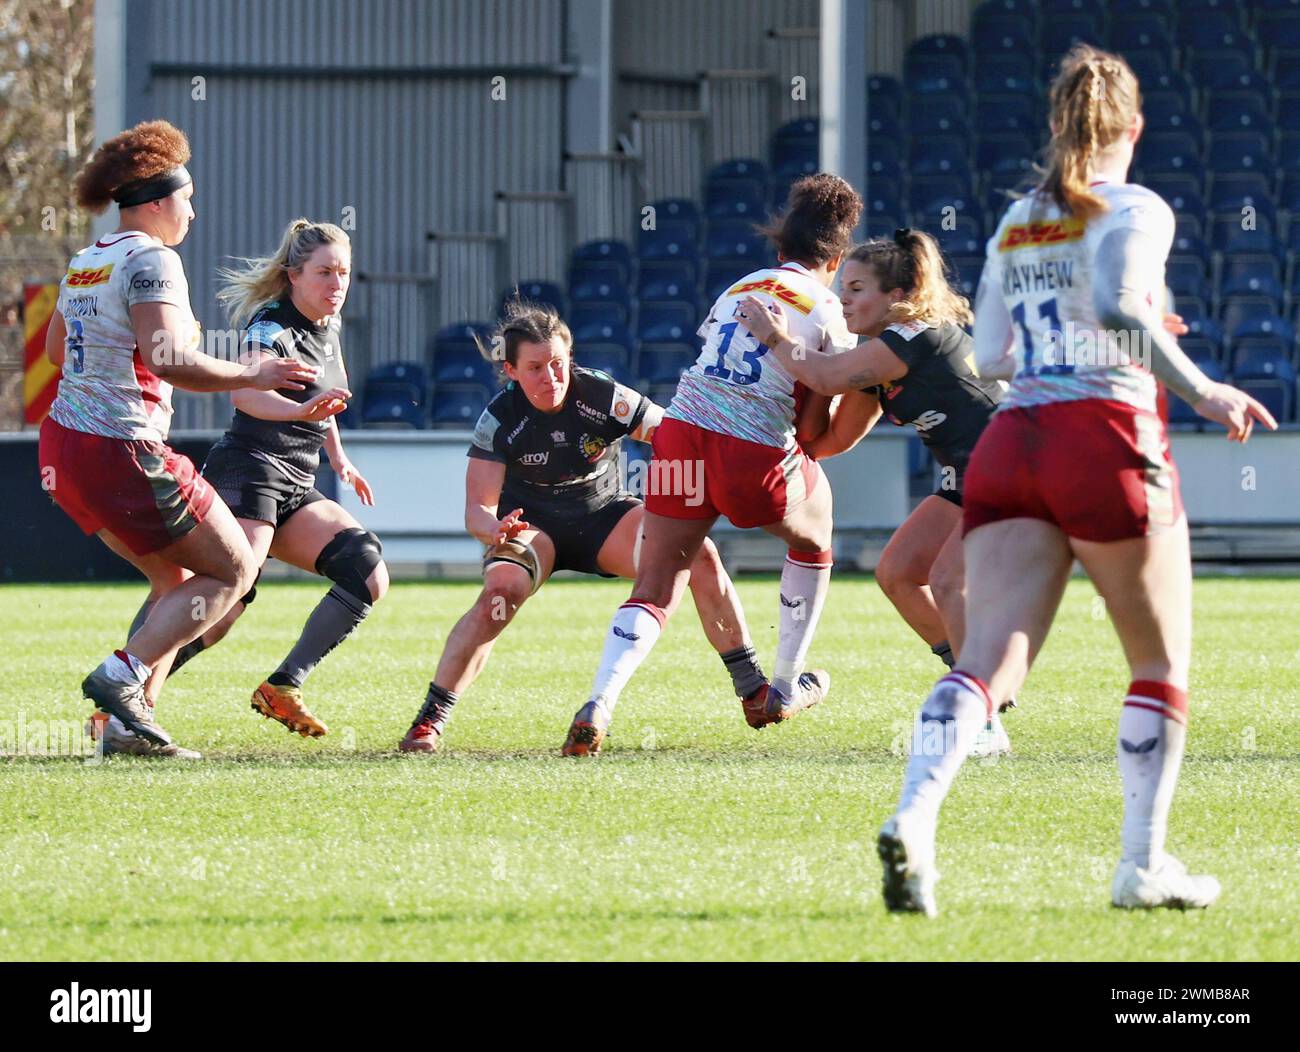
(1166, 884)
(906, 849)
(115, 737)
(991, 741)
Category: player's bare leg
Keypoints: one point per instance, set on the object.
(904, 572)
(506, 587)
(716, 602)
(805, 581)
(1146, 583)
(325, 539)
(1016, 572)
(222, 565)
(668, 548)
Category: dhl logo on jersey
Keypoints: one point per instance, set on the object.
(1032, 235)
(803, 304)
(83, 279)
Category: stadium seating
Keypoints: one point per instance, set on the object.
(395, 394)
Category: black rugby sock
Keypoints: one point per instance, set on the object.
(943, 651)
(746, 675)
(333, 620)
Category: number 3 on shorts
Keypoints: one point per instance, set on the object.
(750, 358)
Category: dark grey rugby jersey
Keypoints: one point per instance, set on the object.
(291, 446)
(559, 461)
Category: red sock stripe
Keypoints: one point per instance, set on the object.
(1155, 696)
(812, 560)
(641, 604)
(972, 683)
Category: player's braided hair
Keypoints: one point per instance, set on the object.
(524, 322)
(818, 220)
(911, 261)
(139, 153)
(265, 279)
(1093, 100)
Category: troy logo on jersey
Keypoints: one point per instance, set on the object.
(1031, 235)
(82, 279)
(803, 304)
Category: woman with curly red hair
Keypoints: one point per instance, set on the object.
(123, 334)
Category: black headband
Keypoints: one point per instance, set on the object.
(902, 235)
(142, 191)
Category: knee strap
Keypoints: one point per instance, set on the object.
(520, 554)
(349, 559)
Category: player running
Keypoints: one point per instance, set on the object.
(733, 418)
(547, 447)
(123, 334)
(915, 367)
(1075, 464)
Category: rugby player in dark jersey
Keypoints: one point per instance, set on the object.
(914, 368)
(264, 466)
(546, 448)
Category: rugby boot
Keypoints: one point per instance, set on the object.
(766, 705)
(284, 705)
(587, 732)
(116, 739)
(127, 702)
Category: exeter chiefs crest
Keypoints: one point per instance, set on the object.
(592, 447)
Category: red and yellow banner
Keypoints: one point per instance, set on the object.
(40, 376)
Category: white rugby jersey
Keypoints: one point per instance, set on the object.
(106, 387)
(1041, 259)
(735, 388)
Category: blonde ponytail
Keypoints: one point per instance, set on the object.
(264, 280)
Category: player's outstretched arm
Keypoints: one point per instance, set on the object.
(866, 365)
(852, 419)
(343, 467)
(483, 482)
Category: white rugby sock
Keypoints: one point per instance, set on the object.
(805, 578)
(946, 728)
(1152, 733)
(125, 668)
(632, 634)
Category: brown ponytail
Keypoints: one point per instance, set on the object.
(912, 261)
(1093, 100)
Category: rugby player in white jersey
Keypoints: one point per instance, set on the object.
(123, 334)
(1075, 465)
(732, 422)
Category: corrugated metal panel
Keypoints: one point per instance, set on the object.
(538, 235)
(671, 146)
(739, 109)
(470, 277)
(686, 36)
(796, 54)
(941, 16)
(607, 191)
(635, 96)
(889, 38)
(352, 32)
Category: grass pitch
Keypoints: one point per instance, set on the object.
(692, 837)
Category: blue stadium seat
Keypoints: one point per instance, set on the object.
(1014, 35)
(930, 73)
(403, 381)
(681, 210)
(942, 44)
(1288, 197)
(1169, 151)
(883, 225)
(1161, 7)
(1012, 73)
(614, 358)
(1207, 330)
(1270, 327)
(1276, 395)
(1005, 152)
(1200, 7)
(966, 271)
(1060, 32)
(1221, 67)
(994, 9)
(1266, 359)
(883, 128)
(1160, 107)
(738, 168)
(544, 292)
(1211, 29)
(1002, 114)
(736, 241)
(940, 155)
(1206, 359)
(618, 253)
(1287, 156)
(1288, 113)
(1286, 72)
(1279, 29)
(795, 149)
(459, 363)
(457, 406)
(1238, 111)
(1244, 315)
(462, 334)
(1185, 276)
(938, 121)
(721, 274)
(952, 104)
(883, 168)
(388, 411)
(883, 197)
(1234, 190)
(739, 200)
(884, 96)
(1239, 152)
(1055, 8)
(583, 275)
(966, 238)
(669, 241)
(602, 288)
(1150, 67)
(1227, 235)
(1187, 243)
(669, 282)
(1140, 31)
(663, 363)
(666, 322)
(595, 322)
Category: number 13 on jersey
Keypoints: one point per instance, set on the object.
(749, 358)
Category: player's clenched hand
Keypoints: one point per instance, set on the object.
(510, 526)
(1235, 410)
(765, 321)
(270, 374)
(325, 405)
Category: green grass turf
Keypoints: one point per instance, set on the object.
(692, 837)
